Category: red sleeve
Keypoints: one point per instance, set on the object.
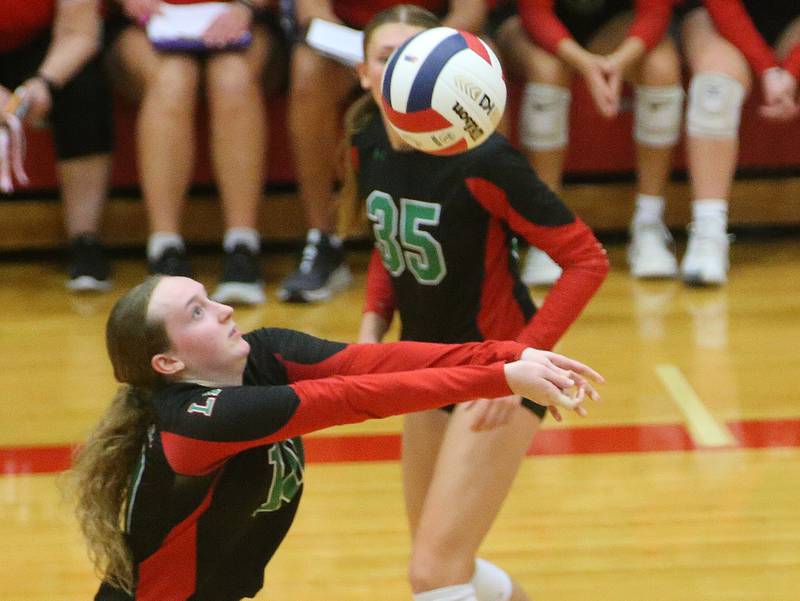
(734, 24)
(403, 356)
(343, 400)
(792, 62)
(234, 419)
(543, 26)
(571, 244)
(650, 21)
(585, 266)
(380, 291)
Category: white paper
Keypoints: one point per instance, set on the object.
(183, 21)
(336, 41)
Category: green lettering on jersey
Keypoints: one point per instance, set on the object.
(287, 475)
(416, 249)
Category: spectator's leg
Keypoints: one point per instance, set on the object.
(165, 141)
(720, 82)
(238, 152)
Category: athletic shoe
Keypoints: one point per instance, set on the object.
(89, 269)
(321, 272)
(540, 269)
(241, 281)
(650, 252)
(173, 261)
(706, 260)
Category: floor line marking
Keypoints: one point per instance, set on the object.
(704, 429)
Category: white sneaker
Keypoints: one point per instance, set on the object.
(540, 269)
(706, 260)
(650, 251)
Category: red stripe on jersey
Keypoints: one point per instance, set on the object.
(476, 45)
(499, 314)
(194, 457)
(380, 291)
(418, 121)
(171, 572)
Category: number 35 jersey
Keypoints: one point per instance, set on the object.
(446, 230)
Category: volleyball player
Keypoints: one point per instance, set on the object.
(200, 453)
(452, 276)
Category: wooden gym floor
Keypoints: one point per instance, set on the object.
(683, 485)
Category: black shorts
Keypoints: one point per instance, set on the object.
(81, 116)
(535, 408)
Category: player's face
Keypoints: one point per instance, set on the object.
(205, 343)
(382, 43)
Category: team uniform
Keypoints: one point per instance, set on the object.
(221, 472)
(446, 230)
(81, 113)
(548, 22)
(754, 27)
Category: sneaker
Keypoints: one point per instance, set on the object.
(173, 261)
(706, 260)
(650, 252)
(321, 273)
(241, 281)
(89, 269)
(540, 269)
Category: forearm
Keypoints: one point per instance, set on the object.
(76, 39)
(575, 55)
(373, 327)
(628, 53)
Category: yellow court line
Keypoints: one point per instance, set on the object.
(704, 429)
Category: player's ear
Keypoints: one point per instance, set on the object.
(361, 71)
(166, 365)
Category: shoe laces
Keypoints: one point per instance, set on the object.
(310, 253)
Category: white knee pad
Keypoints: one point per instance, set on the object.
(544, 116)
(715, 106)
(457, 592)
(490, 582)
(657, 116)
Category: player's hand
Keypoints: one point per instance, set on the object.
(543, 381)
(489, 414)
(576, 371)
(141, 10)
(229, 26)
(604, 80)
(38, 99)
(779, 88)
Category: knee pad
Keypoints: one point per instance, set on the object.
(715, 106)
(544, 117)
(657, 115)
(490, 582)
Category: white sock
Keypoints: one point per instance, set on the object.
(457, 592)
(649, 209)
(158, 242)
(711, 212)
(242, 235)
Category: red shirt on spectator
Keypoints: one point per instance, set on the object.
(358, 13)
(24, 20)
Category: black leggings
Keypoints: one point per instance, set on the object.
(81, 116)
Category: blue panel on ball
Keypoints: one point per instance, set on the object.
(421, 93)
(389, 70)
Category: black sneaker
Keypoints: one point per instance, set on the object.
(241, 281)
(89, 269)
(173, 261)
(321, 273)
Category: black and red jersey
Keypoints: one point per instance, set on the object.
(548, 22)
(446, 229)
(754, 27)
(221, 471)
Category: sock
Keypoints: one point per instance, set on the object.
(457, 592)
(491, 582)
(158, 242)
(247, 236)
(711, 212)
(649, 209)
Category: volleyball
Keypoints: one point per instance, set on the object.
(443, 91)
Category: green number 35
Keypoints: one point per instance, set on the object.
(401, 241)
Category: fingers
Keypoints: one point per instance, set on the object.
(575, 366)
